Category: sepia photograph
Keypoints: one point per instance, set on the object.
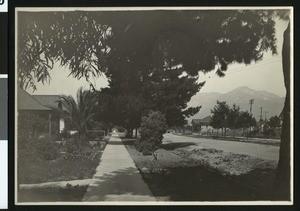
(154, 106)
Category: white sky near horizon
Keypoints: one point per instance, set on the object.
(264, 75)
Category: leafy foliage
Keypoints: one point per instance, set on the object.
(233, 117)
(43, 160)
(152, 129)
(227, 117)
(246, 120)
(74, 40)
(91, 43)
(33, 149)
(30, 125)
(63, 168)
(220, 115)
(149, 57)
(274, 121)
(80, 112)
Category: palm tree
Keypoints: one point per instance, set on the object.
(79, 112)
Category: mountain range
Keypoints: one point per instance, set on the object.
(271, 103)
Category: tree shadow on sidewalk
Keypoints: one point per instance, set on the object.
(115, 143)
(121, 185)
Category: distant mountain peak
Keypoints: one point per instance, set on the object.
(239, 96)
(242, 89)
(252, 92)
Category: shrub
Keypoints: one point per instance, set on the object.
(94, 135)
(153, 127)
(76, 150)
(37, 149)
(31, 125)
(48, 149)
(65, 134)
(268, 133)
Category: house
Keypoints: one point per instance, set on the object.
(44, 107)
(52, 102)
(264, 126)
(202, 125)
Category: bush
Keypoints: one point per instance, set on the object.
(269, 133)
(120, 129)
(153, 127)
(94, 135)
(76, 150)
(31, 125)
(37, 149)
(65, 134)
(253, 133)
(48, 149)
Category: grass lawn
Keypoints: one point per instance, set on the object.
(68, 165)
(60, 169)
(68, 194)
(177, 178)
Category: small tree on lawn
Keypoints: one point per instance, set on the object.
(220, 115)
(233, 117)
(153, 127)
(274, 122)
(246, 120)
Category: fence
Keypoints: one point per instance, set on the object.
(218, 134)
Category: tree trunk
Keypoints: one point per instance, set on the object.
(282, 181)
(234, 132)
(154, 156)
(129, 133)
(136, 132)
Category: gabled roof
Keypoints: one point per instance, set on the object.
(27, 102)
(264, 123)
(50, 101)
(205, 120)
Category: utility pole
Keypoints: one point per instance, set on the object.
(260, 117)
(266, 115)
(251, 101)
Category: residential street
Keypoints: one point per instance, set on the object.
(256, 150)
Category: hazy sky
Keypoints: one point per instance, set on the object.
(264, 75)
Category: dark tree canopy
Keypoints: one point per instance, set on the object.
(220, 114)
(274, 121)
(233, 117)
(91, 43)
(150, 55)
(246, 120)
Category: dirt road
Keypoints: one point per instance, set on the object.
(255, 150)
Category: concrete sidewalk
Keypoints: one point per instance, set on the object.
(116, 177)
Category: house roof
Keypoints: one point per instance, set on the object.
(205, 120)
(50, 101)
(27, 102)
(264, 123)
